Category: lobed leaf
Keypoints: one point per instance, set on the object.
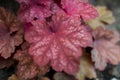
(34, 9)
(86, 68)
(26, 68)
(11, 33)
(105, 48)
(13, 77)
(58, 42)
(105, 17)
(79, 8)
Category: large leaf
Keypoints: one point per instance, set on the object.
(58, 42)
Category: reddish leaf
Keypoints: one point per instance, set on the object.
(34, 9)
(105, 48)
(58, 42)
(40, 9)
(79, 8)
(11, 33)
(27, 69)
(45, 2)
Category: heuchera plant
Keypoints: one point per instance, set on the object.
(56, 31)
(55, 36)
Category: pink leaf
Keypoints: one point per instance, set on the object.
(58, 42)
(105, 49)
(34, 10)
(79, 8)
(28, 2)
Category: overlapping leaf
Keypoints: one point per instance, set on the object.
(34, 9)
(79, 8)
(86, 69)
(58, 42)
(105, 17)
(27, 69)
(105, 48)
(11, 33)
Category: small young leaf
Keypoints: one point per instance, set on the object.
(79, 8)
(105, 17)
(86, 68)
